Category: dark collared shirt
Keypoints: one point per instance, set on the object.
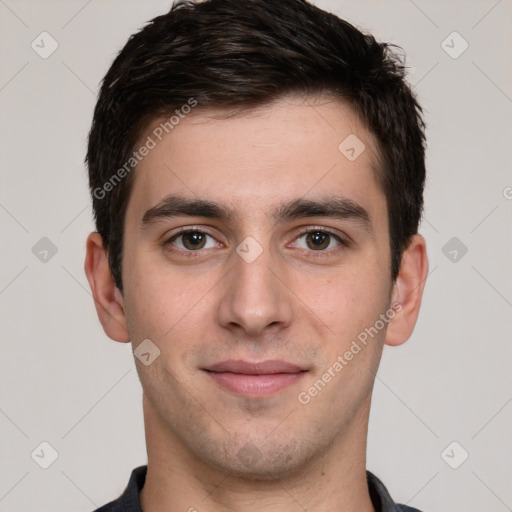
(129, 500)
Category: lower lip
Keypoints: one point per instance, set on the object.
(255, 385)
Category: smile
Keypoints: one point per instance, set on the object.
(255, 379)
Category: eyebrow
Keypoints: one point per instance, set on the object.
(334, 207)
(176, 206)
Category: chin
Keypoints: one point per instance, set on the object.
(261, 461)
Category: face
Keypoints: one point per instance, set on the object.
(268, 261)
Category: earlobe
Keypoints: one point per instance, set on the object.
(107, 297)
(408, 291)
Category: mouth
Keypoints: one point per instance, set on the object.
(254, 379)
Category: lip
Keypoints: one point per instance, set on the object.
(248, 368)
(254, 379)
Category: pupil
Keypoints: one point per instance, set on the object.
(318, 240)
(194, 240)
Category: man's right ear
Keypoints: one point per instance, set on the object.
(107, 297)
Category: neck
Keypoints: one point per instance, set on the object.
(176, 480)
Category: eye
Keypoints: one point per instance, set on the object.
(192, 240)
(317, 240)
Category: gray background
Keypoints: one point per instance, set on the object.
(64, 382)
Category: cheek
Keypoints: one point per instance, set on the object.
(347, 295)
(164, 304)
(150, 301)
(348, 305)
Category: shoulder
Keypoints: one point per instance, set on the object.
(109, 507)
(129, 500)
(381, 498)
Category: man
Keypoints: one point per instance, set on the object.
(257, 172)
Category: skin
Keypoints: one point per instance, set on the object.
(210, 449)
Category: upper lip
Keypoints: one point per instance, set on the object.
(247, 368)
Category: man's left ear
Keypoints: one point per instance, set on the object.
(408, 291)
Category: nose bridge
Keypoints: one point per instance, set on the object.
(253, 297)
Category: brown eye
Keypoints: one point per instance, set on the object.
(317, 240)
(192, 240)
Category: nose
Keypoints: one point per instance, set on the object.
(254, 300)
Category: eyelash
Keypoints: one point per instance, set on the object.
(183, 231)
(343, 243)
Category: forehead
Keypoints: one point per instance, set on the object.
(288, 149)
